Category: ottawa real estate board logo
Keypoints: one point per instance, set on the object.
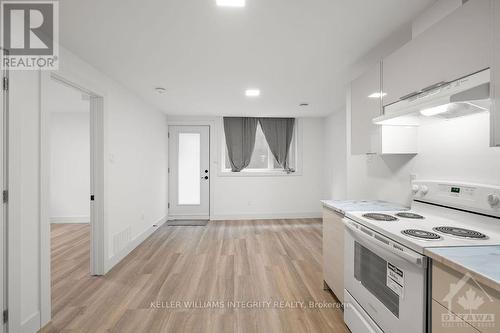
(29, 35)
(468, 303)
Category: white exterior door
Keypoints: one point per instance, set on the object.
(189, 172)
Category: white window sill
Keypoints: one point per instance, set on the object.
(258, 173)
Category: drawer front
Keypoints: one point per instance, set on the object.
(333, 252)
(444, 321)
(475, 303)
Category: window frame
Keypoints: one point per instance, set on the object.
(226, 172)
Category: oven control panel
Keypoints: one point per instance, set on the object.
(478, 198)
(457, 191)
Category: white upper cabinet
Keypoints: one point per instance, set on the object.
(366, 104)
(455, 47)
(495, 111)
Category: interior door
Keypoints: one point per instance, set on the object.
(189, 172)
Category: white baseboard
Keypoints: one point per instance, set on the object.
(70, 219)
(266, 216)
(117, 257)
(188, 217)
(32, 324)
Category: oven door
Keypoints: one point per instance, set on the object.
(388, 284)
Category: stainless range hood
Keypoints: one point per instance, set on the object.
(465, 96)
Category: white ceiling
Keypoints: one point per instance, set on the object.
(294, 51)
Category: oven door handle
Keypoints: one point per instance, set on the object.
(410, 257)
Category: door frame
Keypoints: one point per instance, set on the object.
(212, 153)
(4, 183)
(97, 170)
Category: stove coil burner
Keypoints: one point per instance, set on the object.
(407, 215)
(379, 217)
(460, 232)
(421, 234)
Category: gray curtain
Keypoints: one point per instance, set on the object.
(240, 140)
(279, 134)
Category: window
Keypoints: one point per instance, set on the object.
(262, 158)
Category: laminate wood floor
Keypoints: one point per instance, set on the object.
(229, 276)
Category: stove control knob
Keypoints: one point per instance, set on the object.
(493, 200)
(415, 188)
(424, 189)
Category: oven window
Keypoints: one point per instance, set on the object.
(371, 271)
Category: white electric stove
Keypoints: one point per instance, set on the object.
(386, 280)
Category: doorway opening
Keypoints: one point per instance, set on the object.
(72, 190)
(189, 174)
(69, 187)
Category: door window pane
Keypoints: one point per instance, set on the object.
(189, 169)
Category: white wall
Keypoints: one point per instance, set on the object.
(335, 156)
(281, 196)
(458, 149)
(70, 167)
(135, 178)
(287, 196)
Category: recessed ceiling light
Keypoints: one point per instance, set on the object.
(160, 90)
(377, 95)
(252, 92)
(230, 3)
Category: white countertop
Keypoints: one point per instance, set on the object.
(482, 262)
(343, 206)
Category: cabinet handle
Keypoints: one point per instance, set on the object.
(434, 86)
(431, 87)
(415, 93)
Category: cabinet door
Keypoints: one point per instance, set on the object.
(484, 315)
(365, 105)
(444, 321)
(495, 111)
(333, 252)
(455, 47)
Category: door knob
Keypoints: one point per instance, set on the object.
(206, 177)
(206, 171)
